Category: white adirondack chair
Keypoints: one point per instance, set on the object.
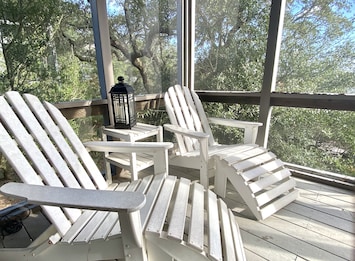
(158, 217)
(260, 178)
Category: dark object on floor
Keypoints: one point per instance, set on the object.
(11, 217)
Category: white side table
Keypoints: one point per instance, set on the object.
(134, 162)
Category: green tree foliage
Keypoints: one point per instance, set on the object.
(38, 56)
(230, 51)
(143, 40)
(38, 53)
(143, 33)
(230, 44)
(317, 56)
(24, 37)
(321, 139)
(318, 47)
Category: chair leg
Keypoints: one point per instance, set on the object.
(220, 180)
(132, 239)
(204, 177)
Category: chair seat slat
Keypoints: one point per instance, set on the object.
(234, 158)
(227, 237)
(214, 234)
(237, 239)
(254, 161)
(144, 185)
(91, 227)
(158, 216)
(178, 216)
(263, 183)
(112, 218)
(116, 230)
(196, 229)
(78, 226)
(106, 227)
(275, 192)
(260, 170)
(150, 198)
(225, 151)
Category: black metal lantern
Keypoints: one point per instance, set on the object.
(123, 105)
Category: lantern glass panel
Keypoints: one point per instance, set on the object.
(123, 105)
(132, 109)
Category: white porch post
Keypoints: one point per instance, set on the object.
(270, 68)
(186, 41)
(103, 50)
(180, 41)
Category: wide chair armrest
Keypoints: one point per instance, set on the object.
(203, 142)
(126, 203)
(127, 147)
(76, 198)
(250, 128)
(185, 132)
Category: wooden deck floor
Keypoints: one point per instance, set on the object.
(319, 225)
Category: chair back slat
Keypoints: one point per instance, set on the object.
(170, 110)
(46, 146)
(185, 144)
(185, 107)
(53, 121)
(188, 111)
(202, 115)
(91, 169)
(19, 162)
(36, 141)
(28, 144)
(185, 110)
(194, 113)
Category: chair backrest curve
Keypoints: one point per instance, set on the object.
(185, 110)
(43, 149)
